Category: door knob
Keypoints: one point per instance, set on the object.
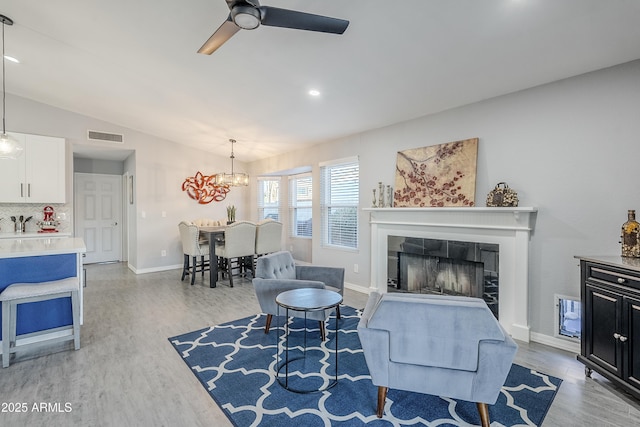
(616, 336)
(623, 338)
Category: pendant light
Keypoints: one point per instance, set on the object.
(10, 148)
(232, 179)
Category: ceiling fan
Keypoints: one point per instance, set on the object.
(248, 15)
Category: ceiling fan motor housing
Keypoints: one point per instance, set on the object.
(246, 17)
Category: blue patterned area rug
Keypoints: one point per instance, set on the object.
(236, 364)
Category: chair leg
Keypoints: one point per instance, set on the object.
(75, 309)
(195, 270)
(483, 410)
(185, 266)
(323, 332)
(382, 397)
(268, 323)
(230, 271)
(252, 267)
(338, 312)
(6, 334)
(202, 261)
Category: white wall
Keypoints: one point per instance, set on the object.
(569, 148)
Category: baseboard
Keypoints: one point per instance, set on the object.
(572, 347)
(357, 288)
(154, 269)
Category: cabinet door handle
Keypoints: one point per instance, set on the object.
(623, 338)
(21, 190)
(28, 190)
(617, 336)
(621, 280)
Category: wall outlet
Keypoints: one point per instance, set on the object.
(163, 253)
(355, 268)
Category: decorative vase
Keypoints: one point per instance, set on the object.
(381, 195)
(374, 205)
(389, 196)
(630, 237)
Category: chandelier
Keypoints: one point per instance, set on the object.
(233, 179)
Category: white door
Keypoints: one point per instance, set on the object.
(98, 215)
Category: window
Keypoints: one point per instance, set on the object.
(340, 189)
(300, 197)
(269, 198)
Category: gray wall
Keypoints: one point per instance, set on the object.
(569, 148)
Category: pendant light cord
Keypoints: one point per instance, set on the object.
(4, 91)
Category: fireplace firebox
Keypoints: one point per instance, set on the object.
(434, 266)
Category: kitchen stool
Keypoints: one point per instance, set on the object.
(20, 293)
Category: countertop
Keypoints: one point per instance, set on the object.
(614, 261)
(31, 235)
(16, 248)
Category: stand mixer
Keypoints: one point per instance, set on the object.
(49, 224)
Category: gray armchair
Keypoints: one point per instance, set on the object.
(433, 344)
(277, 272)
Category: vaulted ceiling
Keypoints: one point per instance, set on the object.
(134, 63)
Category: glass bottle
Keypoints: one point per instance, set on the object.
(630, 237)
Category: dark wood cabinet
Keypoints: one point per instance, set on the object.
(610, 292)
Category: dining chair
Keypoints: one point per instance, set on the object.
(268, 237)
(193, 249)
(237, 250)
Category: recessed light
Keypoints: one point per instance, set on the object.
(314, 92)
(11, 58)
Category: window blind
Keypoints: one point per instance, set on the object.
(340, 191)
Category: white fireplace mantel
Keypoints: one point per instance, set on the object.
(510, 228)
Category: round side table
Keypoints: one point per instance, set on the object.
(305, 300)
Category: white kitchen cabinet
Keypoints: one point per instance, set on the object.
(38, 175)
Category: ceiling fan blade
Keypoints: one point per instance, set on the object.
(222, 34)
(285, 18)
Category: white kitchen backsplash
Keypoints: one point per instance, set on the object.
(62, 214)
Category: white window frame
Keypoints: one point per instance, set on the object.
(267, 207)
(329, 203)
(300, 206)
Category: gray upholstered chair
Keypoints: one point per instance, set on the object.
(238, 248)
(277, 272)
(433, 344)
(193, 249)
(268, 237)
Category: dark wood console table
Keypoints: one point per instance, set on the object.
(610, 294)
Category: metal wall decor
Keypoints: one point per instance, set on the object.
(204, 188)
(502, 196)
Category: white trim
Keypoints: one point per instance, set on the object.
(562, 344)
(154, 269)
(351, 159)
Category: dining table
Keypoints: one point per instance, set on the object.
(213, 234)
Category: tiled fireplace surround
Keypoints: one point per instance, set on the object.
(510, 228)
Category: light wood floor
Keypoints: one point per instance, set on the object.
(128, 374)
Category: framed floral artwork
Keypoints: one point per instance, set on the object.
(437, 176)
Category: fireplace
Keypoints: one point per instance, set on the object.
(506, 230)
(450, 267)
